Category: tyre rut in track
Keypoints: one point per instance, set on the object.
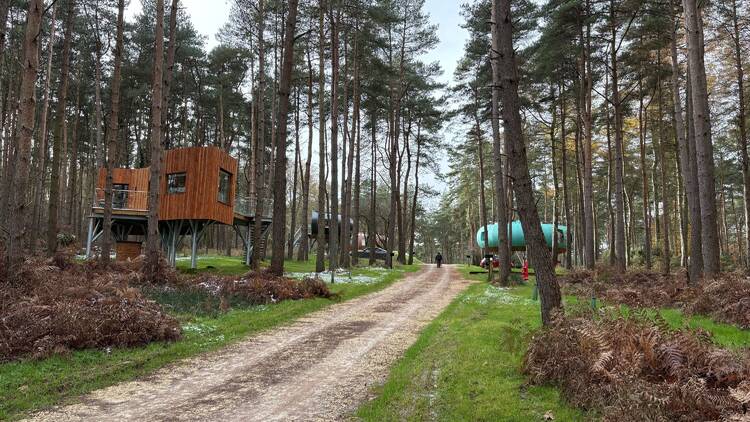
(320, 367)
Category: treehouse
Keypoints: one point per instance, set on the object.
(198, 189)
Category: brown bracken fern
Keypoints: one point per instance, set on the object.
(633, 369)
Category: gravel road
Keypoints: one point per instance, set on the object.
(321, 367)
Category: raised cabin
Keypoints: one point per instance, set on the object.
(198, 189)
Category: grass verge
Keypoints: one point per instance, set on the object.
(466, 364)
(27, 386)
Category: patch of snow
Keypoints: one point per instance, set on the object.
(500, 295)
(341, 276)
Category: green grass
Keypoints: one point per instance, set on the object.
(27, 386)
(723, 335)
(466, 364)
(223, 265)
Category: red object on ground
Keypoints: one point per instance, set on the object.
(495, 263)
(525, 270)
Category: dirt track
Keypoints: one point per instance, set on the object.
(318, 368)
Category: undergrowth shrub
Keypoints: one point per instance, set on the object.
(725, 299)
(259, 288)
(59, 305)
(635, 369)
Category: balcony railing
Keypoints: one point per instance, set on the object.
(247, 205)
(132, 200)
(126, 200)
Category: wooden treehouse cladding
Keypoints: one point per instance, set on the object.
(197, 184)
(198, 189)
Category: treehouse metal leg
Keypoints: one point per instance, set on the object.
(90, 237)
(247, 246)
(193, 247)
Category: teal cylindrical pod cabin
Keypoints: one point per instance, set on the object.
(518, 241)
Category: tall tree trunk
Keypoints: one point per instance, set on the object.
(296, 176)
(41, 151)
(742, 124)
(549, 290)
(62, 96)
(321, 240)
(482, 201)
(279, 200)
(26, 109)
(695, 269)
(566, 190)
(112, 133)
(619, 171)
(4, 7)
(688, 177)
(402, 206)
(644, 178)
(334, 195)
(169, 75)
(555, 181)
(372, 228)
(260, 153)
(415, 194)
(73, 164)
(153, 250)
(589, 252)
(355, 199)
(503, 250)
(703, 143)
(665, 197)
(304, 248)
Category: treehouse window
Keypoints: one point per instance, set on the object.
(225, 181)
(176, 183)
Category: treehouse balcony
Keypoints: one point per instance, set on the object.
(125, 201)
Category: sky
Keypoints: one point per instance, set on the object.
(209, 16)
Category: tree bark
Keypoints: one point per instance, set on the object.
(742, 124)
(482, 201)
(372, 227)
(112, 133)
(566, 193)
(153, 249)
(549, 290)
(620, 251)
(41, 150)
(295, 178)
(26, 109)
(169, 75)
(333, 245)
(665, 197)
(73, 164)
(279, 200)
(260, 153)
(703, 143)
(503, 250)
(304, 248)
(415, 194)
(356, 142)
(644, 178)
(589, 252)
(62, 96)
(321, 240)
(686, 158)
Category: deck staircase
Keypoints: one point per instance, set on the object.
(265, 229)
